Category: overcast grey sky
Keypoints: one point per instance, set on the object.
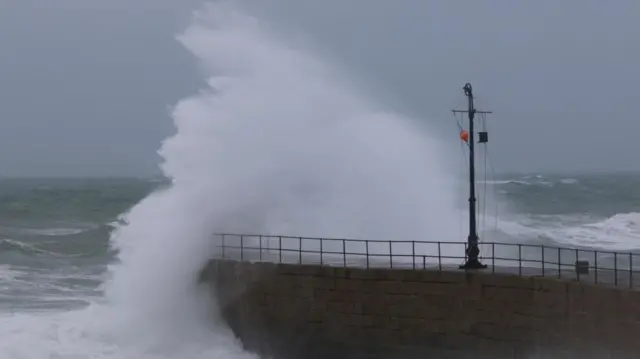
(85, 86)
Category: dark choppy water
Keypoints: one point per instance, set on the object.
(595, 211)
(54, 236)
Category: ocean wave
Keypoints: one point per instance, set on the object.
(11, 244)
(7, 273)
(620, 232)
(8, 244)
(501, 182)
(55, 232)
(531, 181)
(518, 182)
(94, 332)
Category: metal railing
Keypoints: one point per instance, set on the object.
(599, 267)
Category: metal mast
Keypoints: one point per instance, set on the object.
(472, 250)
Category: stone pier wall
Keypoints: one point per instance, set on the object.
(306, 312)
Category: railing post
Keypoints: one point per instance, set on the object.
(260, 239)
(413, 254)
(542, 247)
(615, 269)
(241, 247)
(223, 247)
(630, 270)
(344, 253)
(321, 261)
(424, 262)
(520, 259)
(493, 257)
(390, 255)
(366, 244)
(576, 269)
(300, 250)
(595, 265)
(280, 249)
(559, 264)
(439, 257)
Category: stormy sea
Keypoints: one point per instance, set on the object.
(56, 251)
(278, 141)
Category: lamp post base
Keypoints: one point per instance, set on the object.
(473, 263)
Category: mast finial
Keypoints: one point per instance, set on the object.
(468, 90)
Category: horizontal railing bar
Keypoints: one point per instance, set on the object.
(534, 259)
(523, 260)
(504, 244)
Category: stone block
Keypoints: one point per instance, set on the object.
(389, 287)
(329, 295)
(507, 281)
(445, 276)
(430, 311)
(344, 307)
(349, 285)
(509, 294)
(320, 282)
(550, 284)
(375, 305)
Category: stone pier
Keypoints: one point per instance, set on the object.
(312, 311)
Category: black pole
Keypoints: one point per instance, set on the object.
(472, 251)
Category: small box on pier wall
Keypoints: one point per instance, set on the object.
(582, 267)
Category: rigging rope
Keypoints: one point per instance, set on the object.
(487, 161)
(462, 168)
(481, 212)
(465, 159)
(495, 195)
